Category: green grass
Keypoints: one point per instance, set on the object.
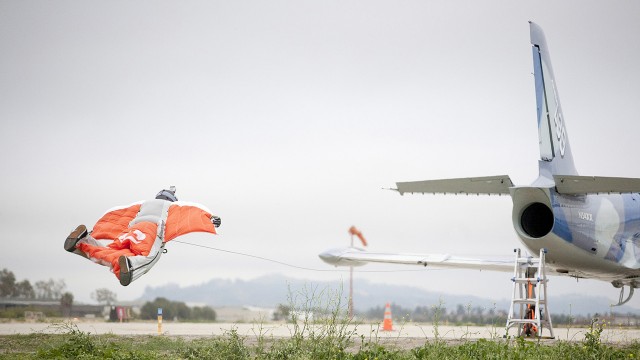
(71, 343)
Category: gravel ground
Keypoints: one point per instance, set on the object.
(407, 335)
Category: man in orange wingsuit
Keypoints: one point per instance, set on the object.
(136, 233)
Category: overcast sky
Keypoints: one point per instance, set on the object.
(287, 118)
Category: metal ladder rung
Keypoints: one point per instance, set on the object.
(525, 321)
(529, 301)
(528, 280)
(542, 322)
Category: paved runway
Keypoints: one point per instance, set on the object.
(420, 332)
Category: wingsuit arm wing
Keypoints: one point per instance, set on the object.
(115, 221)
(351, 256)
(185, 217)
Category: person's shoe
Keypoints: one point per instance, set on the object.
(125, 271)
(74, 237)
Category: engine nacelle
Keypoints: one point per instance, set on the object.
(532, 215)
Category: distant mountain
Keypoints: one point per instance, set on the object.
(271, 290)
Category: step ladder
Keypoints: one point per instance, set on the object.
(529, 297)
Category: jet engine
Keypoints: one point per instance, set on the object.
(532, 215)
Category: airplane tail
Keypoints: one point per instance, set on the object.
(555, 152)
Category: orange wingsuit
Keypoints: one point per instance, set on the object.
(139, 238)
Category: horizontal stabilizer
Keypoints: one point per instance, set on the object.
(488, 185)
(355, 256)
(582, 185)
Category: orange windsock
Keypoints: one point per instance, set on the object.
(356, 232)
(387, 324)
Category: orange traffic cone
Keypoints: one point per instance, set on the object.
(387, 324)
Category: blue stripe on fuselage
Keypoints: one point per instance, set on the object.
(561, 225)
(619, 243)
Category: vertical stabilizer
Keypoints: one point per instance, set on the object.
(555, 152)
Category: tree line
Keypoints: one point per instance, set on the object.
(46, 290)
(176, 310)
(54, 290)
(42, 290)
(478, 315)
